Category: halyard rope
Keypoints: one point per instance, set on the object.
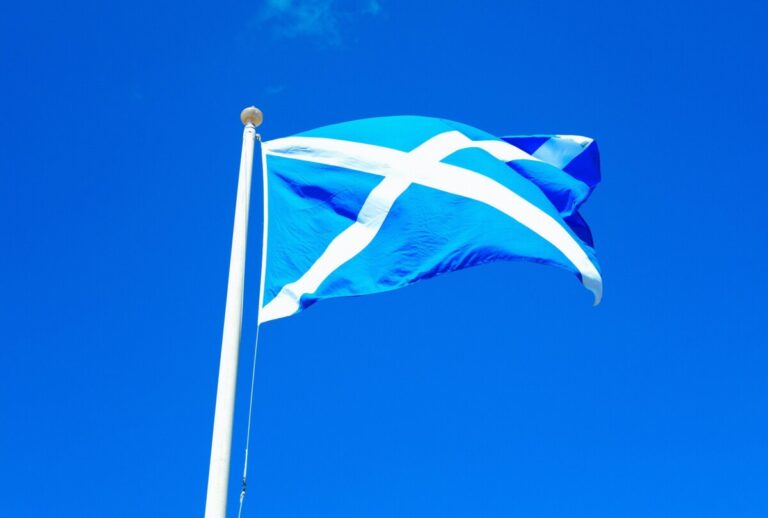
(250, 414)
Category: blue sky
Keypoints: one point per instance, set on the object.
(497, 391)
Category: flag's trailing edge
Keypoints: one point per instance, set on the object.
(376, 204)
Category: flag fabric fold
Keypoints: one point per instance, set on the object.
(376, 204)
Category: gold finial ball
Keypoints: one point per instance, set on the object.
(252, 115)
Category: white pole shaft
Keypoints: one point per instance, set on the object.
(221, 445)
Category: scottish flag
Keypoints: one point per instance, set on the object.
(373, 205)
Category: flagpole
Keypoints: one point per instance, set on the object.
(221, 444)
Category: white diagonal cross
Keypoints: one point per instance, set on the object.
(400, 169)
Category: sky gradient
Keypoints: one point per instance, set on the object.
(496, 391)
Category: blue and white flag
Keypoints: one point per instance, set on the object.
(376, 204)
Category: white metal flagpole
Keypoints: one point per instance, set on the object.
(221, 445)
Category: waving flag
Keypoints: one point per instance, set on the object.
(376, 204)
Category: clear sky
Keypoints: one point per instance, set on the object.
(498, 391)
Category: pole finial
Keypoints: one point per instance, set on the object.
(251, 115)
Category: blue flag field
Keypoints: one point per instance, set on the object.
(376, 204)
